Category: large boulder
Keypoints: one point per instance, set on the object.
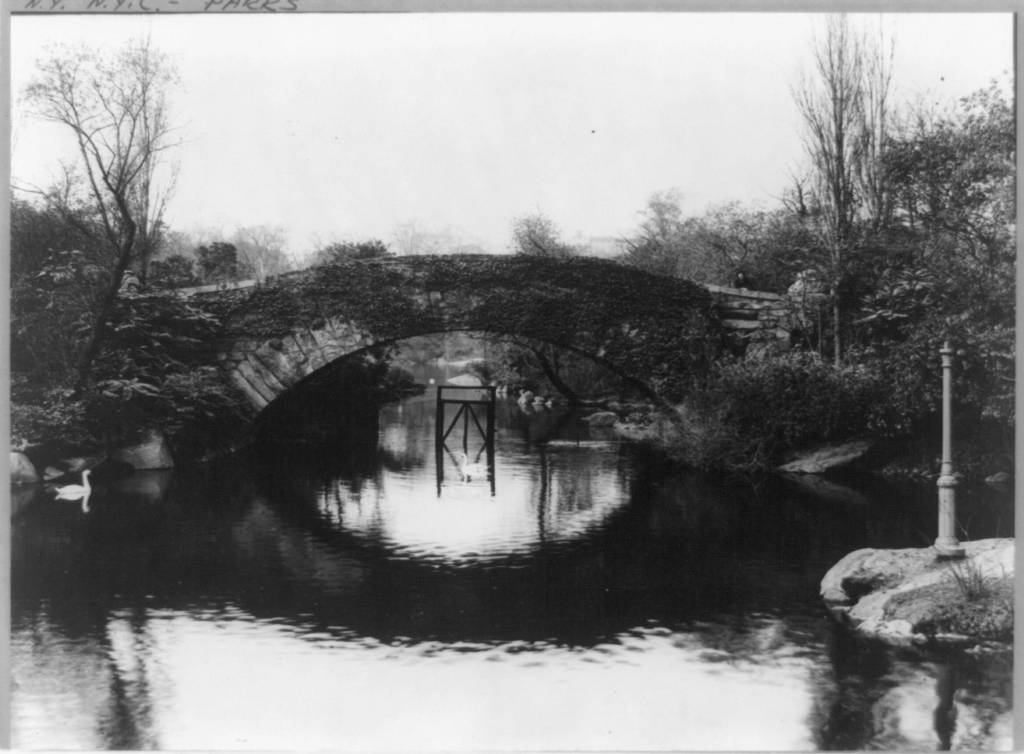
(151, 452)
(23, 471)
(601, 419)
(825, 457)
(911, 596)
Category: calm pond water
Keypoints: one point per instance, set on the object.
(329, 599)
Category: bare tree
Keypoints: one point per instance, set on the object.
(412, 238)
(843, 104)
(537, 235)
(878, 67)
(658, 244)
(114, 103)
(262, 249)
(149, 199)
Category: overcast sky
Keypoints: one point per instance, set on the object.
(341, 126)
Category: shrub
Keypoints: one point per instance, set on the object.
(755, 410)
(150, 371)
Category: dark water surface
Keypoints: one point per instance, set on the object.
(329, 599)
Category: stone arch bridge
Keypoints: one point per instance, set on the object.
(658, 333)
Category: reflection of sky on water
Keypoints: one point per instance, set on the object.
(208, 674)
(537, 500)
(228, 680)
(541, 494)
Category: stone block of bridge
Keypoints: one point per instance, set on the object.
(245, 378)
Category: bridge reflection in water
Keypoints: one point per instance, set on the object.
(599, 600)
(560, 491)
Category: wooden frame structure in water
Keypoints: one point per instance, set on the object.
(478, 396)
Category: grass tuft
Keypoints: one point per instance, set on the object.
(971, 580)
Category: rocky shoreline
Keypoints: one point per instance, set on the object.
(912, 597)
(45, 465)
(863, 454)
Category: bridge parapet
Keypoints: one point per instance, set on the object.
(748, 313)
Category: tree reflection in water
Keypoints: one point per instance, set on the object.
(611, 557)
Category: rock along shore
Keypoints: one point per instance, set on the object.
(911, 597)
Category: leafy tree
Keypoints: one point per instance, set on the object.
(953, 177)
(114, 104)
(151, 371)
(953, 182)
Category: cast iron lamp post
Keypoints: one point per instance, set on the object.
(946, 544)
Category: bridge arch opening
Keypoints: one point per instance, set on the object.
(348, 391)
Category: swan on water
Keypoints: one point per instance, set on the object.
(76, 491)
(469, 470)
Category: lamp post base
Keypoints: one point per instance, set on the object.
(948, 550)
(947, 546)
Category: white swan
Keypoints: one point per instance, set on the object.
(469, 470)
(76, 491)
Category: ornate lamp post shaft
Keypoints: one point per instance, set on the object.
(946, 544)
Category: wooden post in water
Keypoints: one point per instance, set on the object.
(465, 412)
(489, 441)
(438, 441)
(946, 544)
